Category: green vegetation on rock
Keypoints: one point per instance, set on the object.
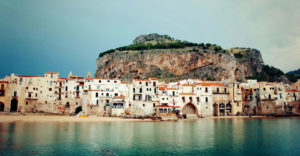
(269, 73)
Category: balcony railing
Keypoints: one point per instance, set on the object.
(215, 92)
(31, 98)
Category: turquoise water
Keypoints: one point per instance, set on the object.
(197, 137)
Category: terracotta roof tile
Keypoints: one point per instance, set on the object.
(187, 93)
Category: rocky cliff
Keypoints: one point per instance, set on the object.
(161, 56)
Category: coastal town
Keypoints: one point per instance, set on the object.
(190, 98)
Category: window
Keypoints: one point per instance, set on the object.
(2, 86)
(183, 99)
(99, 81)
(29, 95)
(2, 93)
(96, 94)
(140, 83)
(50, 89)
(133, 90)
(198, 99)
(217, 90)
(116, 94)
(141, 90)
(146, 83)
(153, 104)
(206, 90)
(191, 99)
(154, 83)
(115, 81)
(238, 104)
(108, 81)
(35, 94)
(280, 95)
(66, 88)
(67, 105)
(107, 94)
(206, 99)
(143, 105)
(225, 90)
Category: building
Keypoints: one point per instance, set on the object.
(190, 98)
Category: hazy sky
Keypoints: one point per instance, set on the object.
(38, 36)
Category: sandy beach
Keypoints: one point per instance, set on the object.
(60, 118)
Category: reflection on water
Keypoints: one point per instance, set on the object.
(195, 137)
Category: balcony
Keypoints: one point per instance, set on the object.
(215, 92)
(31, 98)
(59, 93)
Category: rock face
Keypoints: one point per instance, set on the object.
(206, 62)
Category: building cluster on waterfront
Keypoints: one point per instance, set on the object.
(190, 98)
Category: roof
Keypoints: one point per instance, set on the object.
(90, 90)
(171, 88)
(30, 76)
(140, 80)
(153, 78)
(77, 77)
(292, 90)
(3, 81)
(125, 82)
(209, 84)
(188, 85)
(186, 93)
(89, 78)
(119, 97)
(167, 106)
(63, 78)
(161, 88)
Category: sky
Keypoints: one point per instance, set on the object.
(38, 36)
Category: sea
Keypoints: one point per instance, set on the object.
(226, 137)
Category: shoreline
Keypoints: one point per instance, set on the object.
(5, 118)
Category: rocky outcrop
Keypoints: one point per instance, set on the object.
(202, 61)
